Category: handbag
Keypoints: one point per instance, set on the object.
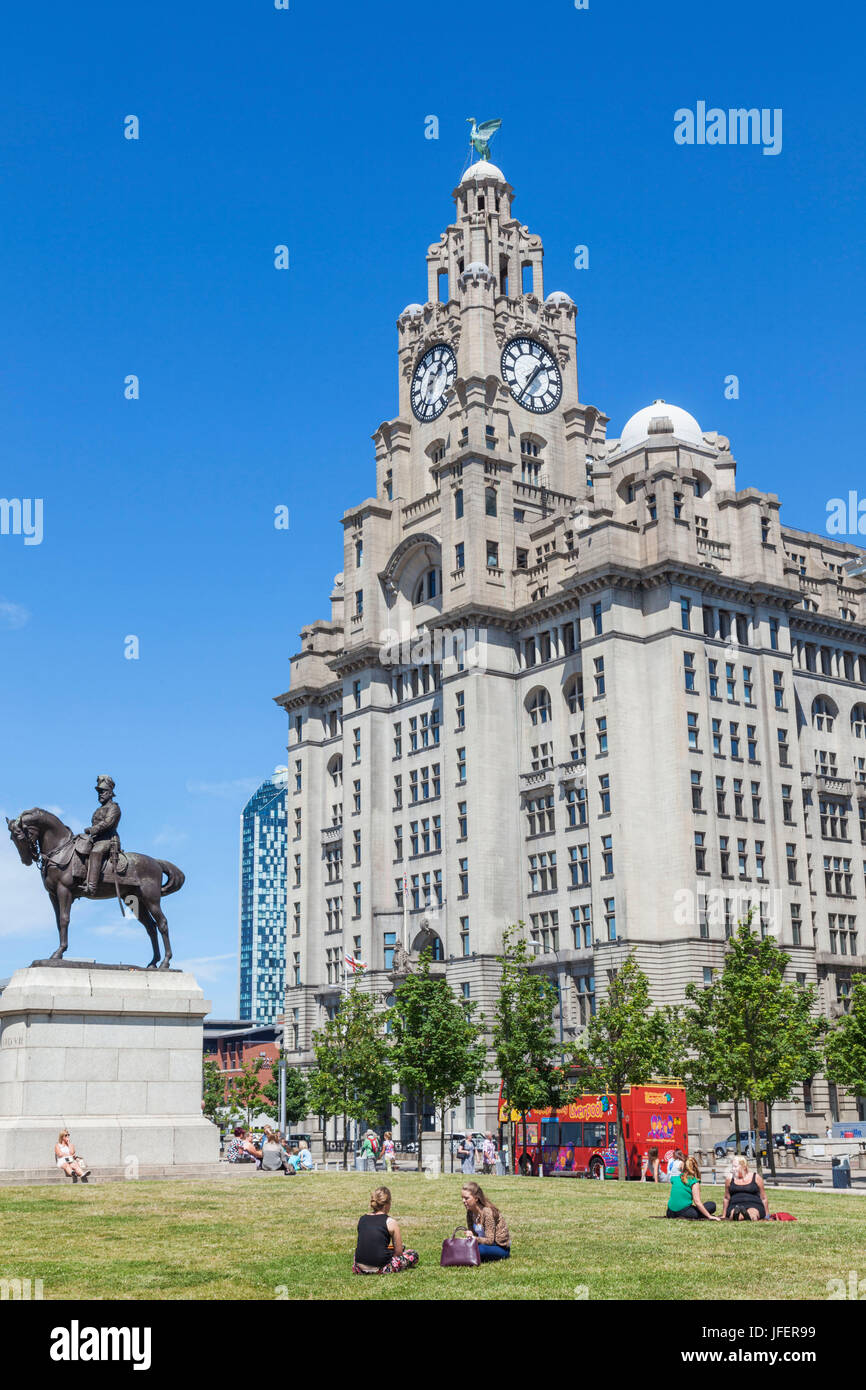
(459, 1250)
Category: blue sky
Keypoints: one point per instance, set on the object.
(262, 387)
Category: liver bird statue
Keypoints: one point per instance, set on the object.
(481, 135)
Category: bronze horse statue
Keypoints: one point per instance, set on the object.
(42, 838)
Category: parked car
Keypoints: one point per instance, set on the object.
(747, 1144)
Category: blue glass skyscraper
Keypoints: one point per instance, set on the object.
(263, 901)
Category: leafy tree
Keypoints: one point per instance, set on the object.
(707, 1061)
(297, 1095)
(245, 1091)
(769, 1026)
(438, 1048)
(213, 1089)
(524, 1040)
(845, 1047)
(626, 1042)
(352, 1076)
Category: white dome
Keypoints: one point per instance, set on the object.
(481, 169)
(559, 297)
(413, 310)
(638, 428)
(477, 268)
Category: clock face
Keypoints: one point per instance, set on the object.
(431, 382)
(531, 375)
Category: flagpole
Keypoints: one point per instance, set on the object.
(405, 913)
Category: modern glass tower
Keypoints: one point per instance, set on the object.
(263, 901)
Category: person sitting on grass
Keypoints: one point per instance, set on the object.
(64, 1152)
(745, 1195)
(380, 1247)
(651, 1172)
(485, 1221)
(293, 1159)
(305, 1158)
(241, 1148)
(685, 1195)
(273, 1158)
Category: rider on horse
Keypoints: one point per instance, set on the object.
(100, 839)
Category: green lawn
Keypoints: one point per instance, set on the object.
(247, 1237)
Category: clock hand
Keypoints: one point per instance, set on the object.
(539, 368)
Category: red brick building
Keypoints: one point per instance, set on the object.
(235, 1044)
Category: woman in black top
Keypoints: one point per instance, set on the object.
(380, 1245)
(745, 1195)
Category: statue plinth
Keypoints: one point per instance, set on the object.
(111, 1053)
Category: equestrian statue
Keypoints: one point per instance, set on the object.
(92, 865)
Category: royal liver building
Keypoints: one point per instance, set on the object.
(577, 681)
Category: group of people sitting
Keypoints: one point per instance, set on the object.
(745, 1195)
(275, 1153)
(380, 1248)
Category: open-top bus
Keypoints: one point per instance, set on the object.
(580, 1138)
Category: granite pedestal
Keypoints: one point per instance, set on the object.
(111, 1053)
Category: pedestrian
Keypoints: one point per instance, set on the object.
(368, 1152)
(488, 1154)
(466, 1154)
(388, 1151)
(380, 1248)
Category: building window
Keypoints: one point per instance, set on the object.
(697, 792)
(604, 795)
(461, 765)
(356, 899)
(359, 603)
(464, 936)
(490, 501)
(575, 802)
(462, 821)
(599, 676)
(458, 503)
(356, 694)
(492, 555)
(463, 876)
(356, 745)
(689, 671)
(607, 855)
(693, 732)
(700, 851)
(774, 634)
(596, 619)
(610, 918)
(601, 733)
(796, 925)
(686, 614)
(578, 864)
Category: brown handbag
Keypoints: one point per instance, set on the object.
(459, 1250)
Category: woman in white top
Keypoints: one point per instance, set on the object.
(64, 1152)
(675, 1167)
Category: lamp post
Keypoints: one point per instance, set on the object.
(282, 1071)
(453, 1119)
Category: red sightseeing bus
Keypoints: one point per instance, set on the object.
(580, 1138)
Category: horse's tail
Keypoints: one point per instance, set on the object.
(175, 877)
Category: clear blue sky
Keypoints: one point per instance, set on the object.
(261, 387)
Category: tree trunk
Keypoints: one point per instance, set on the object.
(771, 1148)
(523, 1117)
(736, 1124)
(345, 1142)
(420, 1129)
(620, 1140)
(442, 1141)
(753, 1130)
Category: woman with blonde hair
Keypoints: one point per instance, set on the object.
(685, 1195)
(745, 1195)
(64, 1153)
(380, 1247)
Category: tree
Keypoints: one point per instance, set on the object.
(297, 1095)
(524, 1041)
(438, 1048)
(245, 1091)
(769, 1026)
(707, 1061)
(352, 1076)
(213, 1089)
(626, 1042)
(845, 1047)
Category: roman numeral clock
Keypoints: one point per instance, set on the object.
(431, 382)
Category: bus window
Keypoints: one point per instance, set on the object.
(595, 1135)
(611, 1132)
(570, 1133)
(550, 1132)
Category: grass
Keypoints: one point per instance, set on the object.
(250, 1237)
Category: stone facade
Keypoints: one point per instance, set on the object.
(658, 717)
(112, 1054)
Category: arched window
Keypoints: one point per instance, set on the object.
(428, 586)
(573, 693)
(823, 714)
(538, 705)
(858, 721)
(335, 769)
